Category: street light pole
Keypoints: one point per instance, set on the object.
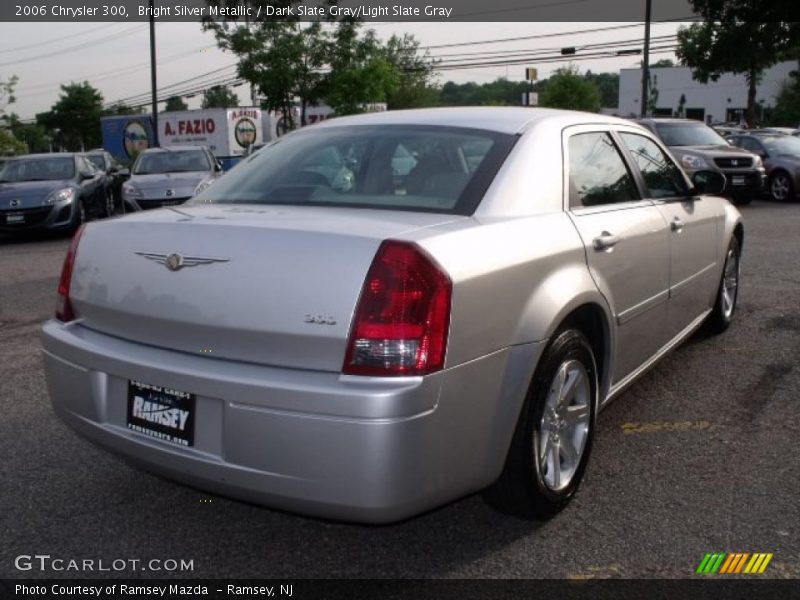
(153, 73)
(646, 58)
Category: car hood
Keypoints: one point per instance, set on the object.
(711, 151)
(29, 194)
(787, 159)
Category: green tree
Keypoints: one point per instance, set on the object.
(283, 59)
(219, 96)
(361, 72)
(33, 135)
(75, 117)
(608, 86)
(567, 89)
(415, 78)
(175, 103)
(786, 111)
(738, 36)
(120, 108)
(9, 144)
(664, 62)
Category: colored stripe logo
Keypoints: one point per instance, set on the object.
(732, 563)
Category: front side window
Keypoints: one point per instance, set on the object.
(98, 160)
(399, 167)
(597, 172)
(662, 177)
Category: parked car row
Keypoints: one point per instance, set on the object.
(60, 191)
(753, 161)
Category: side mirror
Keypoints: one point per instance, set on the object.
(86, 175)
(709, 182)
(218, 167)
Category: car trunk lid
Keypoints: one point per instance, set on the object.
(265, 284)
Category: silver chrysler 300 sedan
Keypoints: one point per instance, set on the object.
(377, 315)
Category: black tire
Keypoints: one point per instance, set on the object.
(80, 217)
(722, 316)
(781, 187)
(522, 489)
(109, 207)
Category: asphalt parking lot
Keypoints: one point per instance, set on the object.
(701, 455)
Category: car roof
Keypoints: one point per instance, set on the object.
(43, 155)
(668, 120)
(501, 119)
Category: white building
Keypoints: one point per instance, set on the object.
(723, 100)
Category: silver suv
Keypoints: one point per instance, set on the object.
(699, 148)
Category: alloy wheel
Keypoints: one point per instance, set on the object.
(780, 187)
(564, 427)
(730, 282)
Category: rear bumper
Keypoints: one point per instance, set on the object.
(359, 449)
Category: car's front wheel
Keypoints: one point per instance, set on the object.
(553, 438)
(780, 187)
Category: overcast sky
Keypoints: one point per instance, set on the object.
(114, 57)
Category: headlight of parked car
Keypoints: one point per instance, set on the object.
(131, 191)
(203, 186)
(63, 195)
(693, 162)
(757, 162)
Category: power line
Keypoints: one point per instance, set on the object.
(70, 49)
(58, 39)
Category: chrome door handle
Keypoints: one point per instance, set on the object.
(676, 225)
(606, 241)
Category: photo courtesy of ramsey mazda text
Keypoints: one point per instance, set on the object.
(376, 315)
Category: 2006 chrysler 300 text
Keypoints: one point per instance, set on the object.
(374, 316)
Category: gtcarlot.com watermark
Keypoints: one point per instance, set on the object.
(46, 562)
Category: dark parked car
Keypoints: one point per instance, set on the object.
(115, 175)
(781, 156)
(697, 147)
(50, 191)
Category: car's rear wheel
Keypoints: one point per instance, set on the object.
(780, 187)
(728, 293)
(553, 438)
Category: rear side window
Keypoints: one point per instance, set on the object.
(662, 177)
(597, 172)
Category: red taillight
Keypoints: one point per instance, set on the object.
(64, 312)
(403, 316)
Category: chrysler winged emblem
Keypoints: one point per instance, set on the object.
(175, 261)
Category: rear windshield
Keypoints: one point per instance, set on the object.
(689, 134)
(171, 161)
(38, 169)
(435, 169)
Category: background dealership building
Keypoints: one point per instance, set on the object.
(723, 100)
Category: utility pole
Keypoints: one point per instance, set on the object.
(153, 73)
(646, 58)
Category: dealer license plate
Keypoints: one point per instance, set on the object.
(15, 219)
(738, 180)
(161, 413)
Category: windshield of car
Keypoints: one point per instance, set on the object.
(171, 161)
(689, 134)
(400, 167)
(783, 144)
(97, 161)
(38, 169)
